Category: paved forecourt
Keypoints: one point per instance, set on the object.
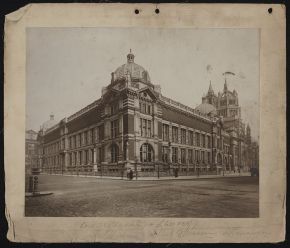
(198, 198)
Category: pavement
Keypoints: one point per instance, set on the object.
(242, 174)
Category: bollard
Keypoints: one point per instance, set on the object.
(30, 184)
(35, 184)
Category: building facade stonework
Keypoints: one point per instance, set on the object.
(133, 126)
(31, 151)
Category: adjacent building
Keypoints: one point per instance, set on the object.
(133, 126)
(31, 151)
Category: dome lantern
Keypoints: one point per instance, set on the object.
(130, 57)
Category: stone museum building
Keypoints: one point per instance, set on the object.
(133, 126)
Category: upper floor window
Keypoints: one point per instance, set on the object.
(208, 157)
(208, 142)
(145, 126)
(190, 138)
(183, 136)
(165, 154)
(175, 134)
(190, 156)
(86, 137)
(165, 132)
(145, 108)
(114, 128)
(114, 108)
(114, 153)
(174, 155)
(203, 140)
(183, 156)
(79, 140)
(202, 156)
(197, 135)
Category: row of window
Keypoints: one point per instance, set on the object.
(81, 139)
(186, 137)
(52, 160)
(197, 156)
(54, 147)
(84, 157)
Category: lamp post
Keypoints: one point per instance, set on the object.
(136, 161)
(158, 170)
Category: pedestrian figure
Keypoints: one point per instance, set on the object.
(176, 172)
(131, 174)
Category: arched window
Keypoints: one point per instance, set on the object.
(114, 153)
(146, 153)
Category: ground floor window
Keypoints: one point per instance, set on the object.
(197, 156)
(146, 153)
(114, 153)
(202, 156)
(190, 156)
(174, 155)
(183, 156)
(165, 154)
(208, 157)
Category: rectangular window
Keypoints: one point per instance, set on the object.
(208, 141)
(165, 132)
(183, 136)
(202, 156)
(80, 140)
(183, 156)
(190, 138)
(196, 156)
(149, 109)
(165, 154)
(174, 155)
(100, 155)
(149, 128)
(86, 138)
(175, 134)
(101, 133)
(190, 156)
(143, 127)
(114, 128)
(146, 126)
(208, 157)
(86, 157)
(203, 140)
(92, 156)
(80, 158)
(197, 139)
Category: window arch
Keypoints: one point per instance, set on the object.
(114, 153)
(146, 153)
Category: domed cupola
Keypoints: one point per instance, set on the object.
(131, 71)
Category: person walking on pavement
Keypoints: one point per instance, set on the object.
(130, 174)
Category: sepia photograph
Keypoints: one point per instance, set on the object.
(142, 122)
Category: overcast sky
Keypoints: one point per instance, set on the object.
(67, 67)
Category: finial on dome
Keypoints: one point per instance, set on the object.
(130, 57)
